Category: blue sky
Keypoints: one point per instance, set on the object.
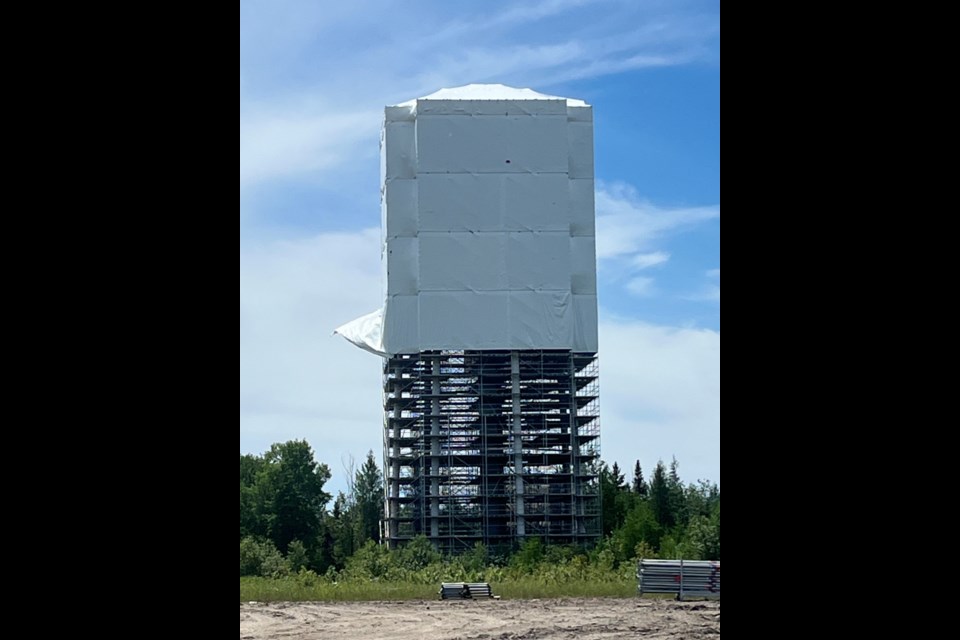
(314, 78)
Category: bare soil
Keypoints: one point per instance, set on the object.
(567, 618)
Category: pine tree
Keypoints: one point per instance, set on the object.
(611, 494)
(639, 484)
(368, 498)
(617, 477)
(660, 496)
(677, 497)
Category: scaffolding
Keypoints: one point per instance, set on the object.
(492, 447)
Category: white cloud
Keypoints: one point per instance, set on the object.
(306, 113)
(485, 64)
(709, 293)
(643, 261)
(296, 141)
(641, 287)
(660, 397)
(326, 118)
(660, 385)
(297, 380)
(528, 12)
(629, 230)
(627, 224)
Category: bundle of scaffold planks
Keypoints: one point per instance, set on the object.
(686, 578)
(466, 591)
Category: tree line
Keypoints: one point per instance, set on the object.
(288, 524)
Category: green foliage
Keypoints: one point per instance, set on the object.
(418, 554)
(617, 477)
(370, 562)
(297, 556)
(660, 497)
(251, 520)
(293, 492)
(368, 498)
(356, 515)
(702, 499)
(675, 495)
(249, 557)
(273, 564)
(640, 526)
(308, 579)
(297, 589)
(261, 559)
(644, 551)
(529, 555)
(604, 559)
(613, 505)
(476, 559)
(281, 494)
(337, 557)
(639, 486)
(669, 548)
(341, 528)
(703, 537)
(556, 554)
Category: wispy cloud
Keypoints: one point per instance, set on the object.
(709, 292)
(641, 287)
(297, 381)
(314, 78)
(297, 141)
(643, 261)
(630, 231)
(628, 225)
(321, 119)
(664, 383)
(528, 12)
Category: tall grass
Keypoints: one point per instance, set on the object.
(415, 572)
(294, 589)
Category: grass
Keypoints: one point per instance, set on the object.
(295, 590)
(533, 588)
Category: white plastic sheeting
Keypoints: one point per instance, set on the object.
(365, 332)
(488, 225)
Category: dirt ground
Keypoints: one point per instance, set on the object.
(568, 618)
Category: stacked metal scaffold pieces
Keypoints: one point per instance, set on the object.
(466, 591)
(685, 578)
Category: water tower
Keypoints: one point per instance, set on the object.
(488, 332)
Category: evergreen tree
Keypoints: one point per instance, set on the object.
(340, 527)
(639, 484)
(701, 499)
(618, 478)
(609, 505)
(640, 526)
(677, 497)
(368, 500)
(660, 496)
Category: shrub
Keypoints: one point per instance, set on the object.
(297, 556)
(261, 559)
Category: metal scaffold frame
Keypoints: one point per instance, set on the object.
(491, 447)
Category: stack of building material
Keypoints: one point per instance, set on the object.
(685, 578)
(465, 590)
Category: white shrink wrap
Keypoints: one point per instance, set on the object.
(489, 225)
